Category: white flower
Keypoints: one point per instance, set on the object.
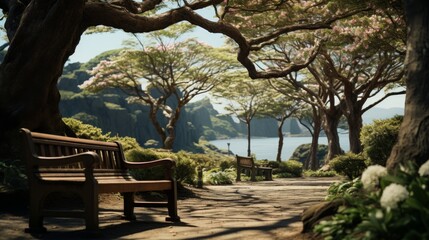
(424, 169)
(371, 176)
(379, 214)
(392, 195)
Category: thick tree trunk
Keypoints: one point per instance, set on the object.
(47, 35)
(354, 121)
(330, 127)
(281, 140)
(413, 140)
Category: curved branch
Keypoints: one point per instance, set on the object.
(382, 99)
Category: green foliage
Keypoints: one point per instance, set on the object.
(290, 168)
(144, 155)
(344, 189)
(273, 164)
(87, 131)
(378, 139)
(85, 117)
(302, 152)
(350, 165)
(185, 168)
(217, 176)
(65, 95)
(12, 174)
(319, 173)
(113, 106)
(128, 143)
(396, 210)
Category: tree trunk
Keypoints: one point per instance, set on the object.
(48, 33)
(312, 158)
(413, 139)
(171, 128)
(249, 153)
(281, 140)
(354, 121)
(158, 128)
(330, 127)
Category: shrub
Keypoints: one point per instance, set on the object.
(378, 139)
(144, 155)
(273, 164)
(396, 209)
(349, 164)
(86, 131)
(290, 168)
(185, 169)
(225, 164)
(319, 173)
(220, 177)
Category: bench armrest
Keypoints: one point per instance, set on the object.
(168, 164)
(89, 159)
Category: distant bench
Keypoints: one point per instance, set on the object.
(247, 164)
(88, 168)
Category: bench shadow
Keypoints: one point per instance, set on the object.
(111, 231)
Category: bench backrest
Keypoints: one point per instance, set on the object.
(245, 161)
(47, 145)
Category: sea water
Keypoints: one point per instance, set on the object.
(266, 148)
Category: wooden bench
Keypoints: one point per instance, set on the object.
(247, 164)
(87, 168)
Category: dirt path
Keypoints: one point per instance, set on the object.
(245, 210)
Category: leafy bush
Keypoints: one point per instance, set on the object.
(388, 206)
(319, 173)
(185, 169)
(144, 155)
(88, 131)
(349, 164)
(273, 164)
(290, 168)
(220, 177)
(378, 139)
(344, 189)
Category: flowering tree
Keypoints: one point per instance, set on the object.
(280, 107)
(360, 58)
(245, 99)
(46, 32)
(166, 70)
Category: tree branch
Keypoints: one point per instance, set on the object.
(382, 99)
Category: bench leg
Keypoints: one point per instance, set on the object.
(253, 174)
(129, 206)
(172, 204)
(268, 175)
(91, 210)
(35, 223)
(238, 179)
